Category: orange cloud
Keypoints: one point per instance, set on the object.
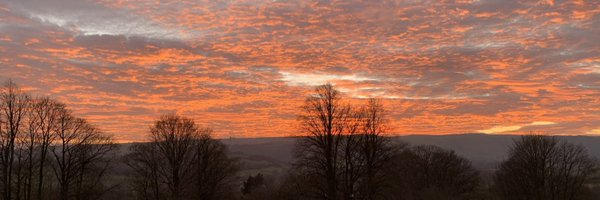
(245, 67)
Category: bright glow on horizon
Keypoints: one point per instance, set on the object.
(501, 129)
(594, 132)
(504, 129)
(541, 123)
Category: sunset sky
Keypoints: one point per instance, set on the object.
(244, 67)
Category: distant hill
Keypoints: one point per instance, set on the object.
(274, 155)
(485, 151)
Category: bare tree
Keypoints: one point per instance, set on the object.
(28, 129)
(181, 162)
(376, 150)
(13, 108)
(214, 170)
(43, 120)
(146, 163)
(344, 150)
(29, 142)
(541, 167)
(325, 120)
(429, 172)
(33, 144)
(81, 157)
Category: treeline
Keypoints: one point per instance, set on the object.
(48, 153)
(345, 155)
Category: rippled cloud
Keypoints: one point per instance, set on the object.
(244, 67)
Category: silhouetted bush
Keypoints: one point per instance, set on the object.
(252, 183)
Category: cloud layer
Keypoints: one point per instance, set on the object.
(244, 67)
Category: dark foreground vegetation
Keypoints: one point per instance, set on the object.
(46, 152)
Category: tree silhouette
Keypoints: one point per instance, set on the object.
(429, 172)
(13, 110)
(43, 119)
(81, 158)
(48, 153)
(344, 152)
(376, 151)
(327, 121)
(542, 167)
(181, 162)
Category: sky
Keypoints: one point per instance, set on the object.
(244, 68)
